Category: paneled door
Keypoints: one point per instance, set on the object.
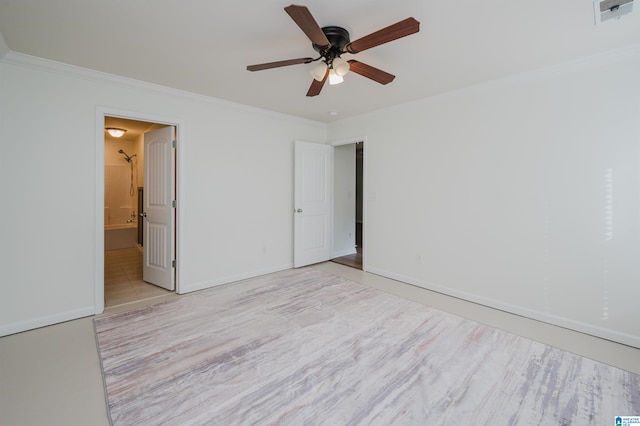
(159, 213)
(313, 192)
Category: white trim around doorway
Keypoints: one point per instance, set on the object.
(101, 113)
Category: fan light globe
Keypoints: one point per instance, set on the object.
(341, 66)
(319, 71)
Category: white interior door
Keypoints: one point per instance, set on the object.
(312, 203)
(158, 216)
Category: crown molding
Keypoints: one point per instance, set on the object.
(4, 49)
(619, 55)
(73, 71)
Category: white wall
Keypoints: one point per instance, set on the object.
(523, 193)
(236, 174)
(344, 200)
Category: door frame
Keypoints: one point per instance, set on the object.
(365, 221)
(101, 113)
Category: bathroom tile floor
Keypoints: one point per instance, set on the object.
(123, 278)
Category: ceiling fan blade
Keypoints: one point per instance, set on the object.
(277, 64)
(392, 32)
(308, 24)
(370, 72)
(316, 86)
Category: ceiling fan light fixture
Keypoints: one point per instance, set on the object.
(319, 71)
(341, 66)
(332, 41)
(334, 77)
(115, 132)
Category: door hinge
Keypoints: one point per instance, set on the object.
(174, 203)
(173, 263)
(173, 143)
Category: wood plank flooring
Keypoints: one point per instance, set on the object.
(306, 347)
(351, 260)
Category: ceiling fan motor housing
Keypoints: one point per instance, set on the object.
(338, 38)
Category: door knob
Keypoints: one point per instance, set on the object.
(299, 210)
(144, 214)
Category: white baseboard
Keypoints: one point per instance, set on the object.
(18, 327)
(34, 323)
(188, 288)
(593, 330)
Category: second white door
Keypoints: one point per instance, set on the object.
(158, 215)
(313, 177)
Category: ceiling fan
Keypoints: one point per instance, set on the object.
(331, 42)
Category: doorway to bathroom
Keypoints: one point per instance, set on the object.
(139, 210)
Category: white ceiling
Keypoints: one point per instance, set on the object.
(133, 128)
(204, 46)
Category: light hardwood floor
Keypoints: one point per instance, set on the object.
(52, 375)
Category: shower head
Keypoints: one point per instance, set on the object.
(126, 157)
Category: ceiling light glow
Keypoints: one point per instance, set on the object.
(115, 132)
(334, 78)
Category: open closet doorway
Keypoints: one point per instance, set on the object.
(135, 265)
(348, 204)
